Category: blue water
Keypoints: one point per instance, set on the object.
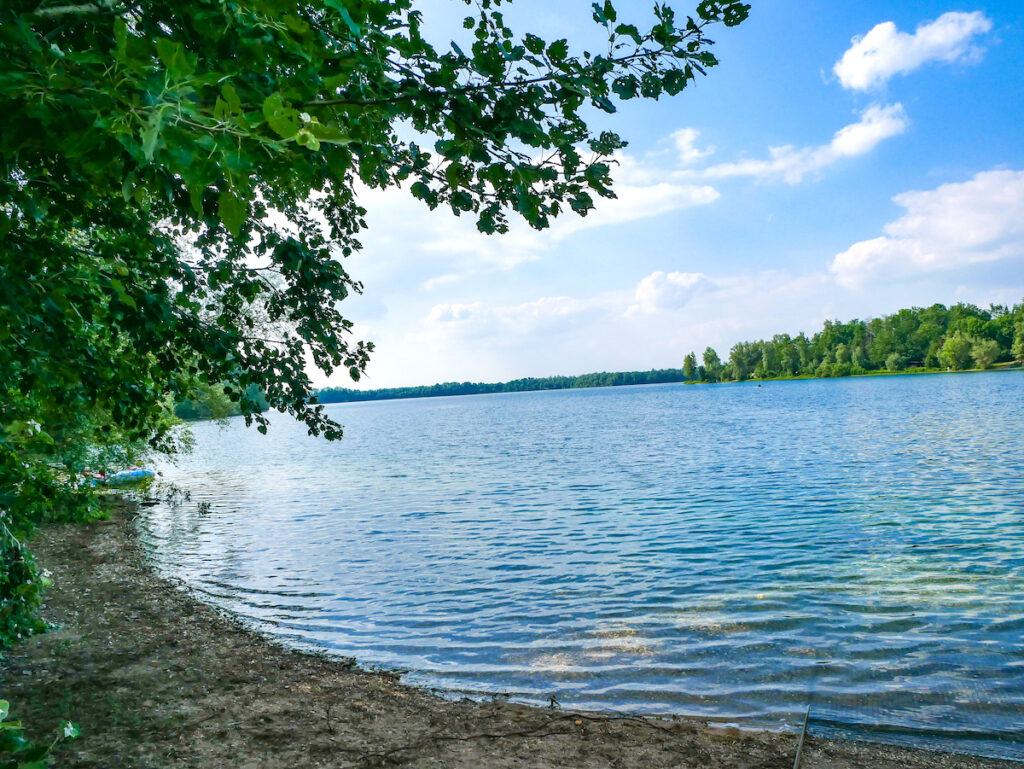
(732, 552)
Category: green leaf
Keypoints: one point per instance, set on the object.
(736, 13)
(283, 120)
(230, 96)
(330, 134)
(558, 50)
(534, 44)
(172, 54)
(121, 37)
(339, 6)
(631, 31)
(151, 134)
(195, 196)
(233, 211)
(305, 138)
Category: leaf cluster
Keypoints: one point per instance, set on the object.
(19, 752)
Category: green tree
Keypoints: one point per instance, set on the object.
(956, 351)
(842, 353)
(985, 352)
(690, 366)
(895, 362)
(860, 359)
(712, 365)
(1018, 339)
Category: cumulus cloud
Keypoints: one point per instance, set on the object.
(792, 164)
(955, 225)
(685, 142)
(668, 290)
(885, 51)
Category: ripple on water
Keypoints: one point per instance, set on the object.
(729, 552)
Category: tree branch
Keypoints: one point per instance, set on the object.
(85, 9)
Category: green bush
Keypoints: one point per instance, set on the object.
(21, 590)
(19, 752)
(895, 362)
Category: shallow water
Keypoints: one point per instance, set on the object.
(733, 552)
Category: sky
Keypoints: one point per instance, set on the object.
(844, 161)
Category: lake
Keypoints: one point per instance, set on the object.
(732, 552)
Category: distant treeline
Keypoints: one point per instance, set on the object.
(932, 338)
(602, 379)
(956, 338)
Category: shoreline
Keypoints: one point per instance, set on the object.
(156, 678)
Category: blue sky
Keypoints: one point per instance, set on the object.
(845, 160)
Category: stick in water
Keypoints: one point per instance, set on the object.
(800, 743)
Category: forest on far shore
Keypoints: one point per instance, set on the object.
(956, 338)
(937, 337)
(599, 379)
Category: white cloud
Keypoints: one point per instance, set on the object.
(652, 324)
(955, 225)
(455, 248)
(685, 142)
(677, 151)
(885, 51)
(494, 341)
(672, 290)
(876, 124)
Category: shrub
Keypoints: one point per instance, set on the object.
(895, 362)
(985, 353)
(18, 752)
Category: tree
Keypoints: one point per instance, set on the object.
(167, 168)
(895, 362)
(860, 359)
(1018, 339)
(712, 365)
(690, 366)
(956, 351)
(985, 353)
(842, 353)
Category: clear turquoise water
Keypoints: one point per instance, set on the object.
(733, 552)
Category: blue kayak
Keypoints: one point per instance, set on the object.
(125, 477)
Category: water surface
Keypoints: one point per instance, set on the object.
(733, 552)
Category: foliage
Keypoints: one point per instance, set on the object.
(690, 366)
(603, 379)
(214, 402)
(895, 362)
(712, 365)
(917, 337)
(955, 352)
(21, 590)
(985, 352)
(18, 752)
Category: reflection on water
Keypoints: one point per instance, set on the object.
(732, 552)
